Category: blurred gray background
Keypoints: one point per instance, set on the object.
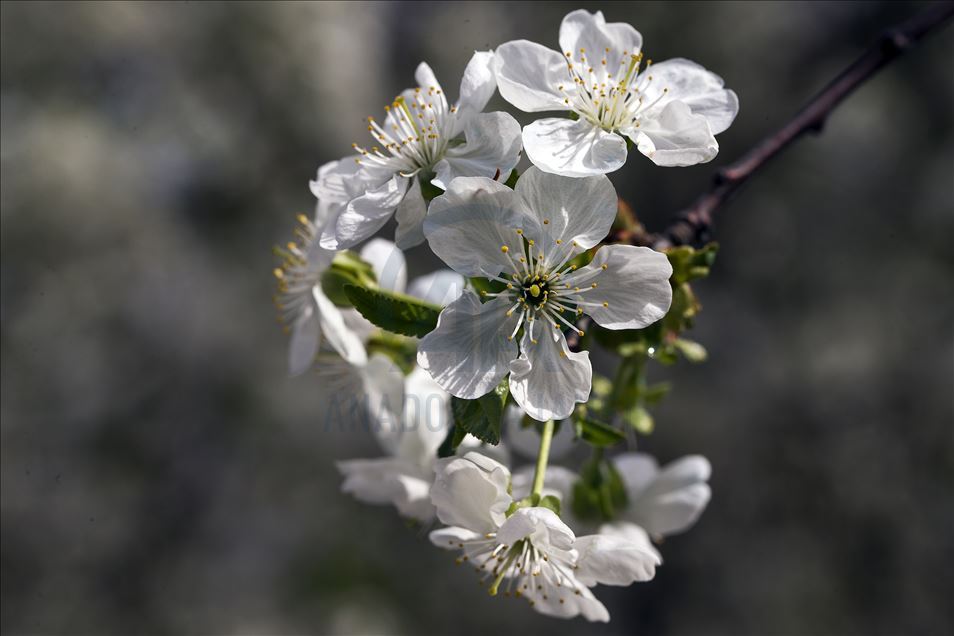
(162, 475)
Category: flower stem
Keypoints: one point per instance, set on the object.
(542, 458)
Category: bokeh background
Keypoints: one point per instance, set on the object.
(162, 475)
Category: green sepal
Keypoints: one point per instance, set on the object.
(640, 419)
(482, 417)
(689, 263)
(394, 312)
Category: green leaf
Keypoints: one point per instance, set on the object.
(455, 435)
(598, 433)
(398, 313)
(640, 419)
(401, 350)
(482, 417)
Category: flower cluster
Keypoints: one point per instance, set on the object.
(497, 345)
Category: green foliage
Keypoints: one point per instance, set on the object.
(599, 493)
(689, 263)
(482, 417)
(397, 313)
(455, 435)
(511, 181)
(640, 419)
(402, 351)
(597, 433)
(347, 268)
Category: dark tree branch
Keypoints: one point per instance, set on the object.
(693, 225)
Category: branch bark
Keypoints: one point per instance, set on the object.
(693, 226)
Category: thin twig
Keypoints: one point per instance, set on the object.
(693, 226)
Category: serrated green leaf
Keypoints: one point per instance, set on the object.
(598, 433)
(481, 417)
(455, 435)
(397, 313)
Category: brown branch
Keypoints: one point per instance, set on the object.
(693, 226)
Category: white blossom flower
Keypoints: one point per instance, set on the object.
(420, 139)
(404, 477)
(525, 240)
(659, 502)
(529, 553)
(303, 307)
(670, 110)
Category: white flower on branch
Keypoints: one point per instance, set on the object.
(423, 139)
(525, 239)
(659, 501)
(671, 110)
(304, 309)
(528, 552)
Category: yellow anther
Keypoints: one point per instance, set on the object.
(559, 241)
(562, 354)
(302, 219)
(291, 246)
(594, 285)
(278, 273)
(520, 232)
(546, 221)
(604, 266)
(581, 333)
(605, 304)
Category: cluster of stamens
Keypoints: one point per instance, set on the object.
(296, 274)
(415, 133)
(521, 570)
(545, 290)
(608, 93)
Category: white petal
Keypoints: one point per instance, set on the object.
(451, 537)
(470, 351)
(425, 77)
(303, 345)
(471, 492)
(383, 384)
(675, 499)
(388, 263)
(492, 148)
(441, 287)
(590, 32)
(426, 418)
(635, 286)
(541, 525)
(573, 148)
(637, 470)
(336, 180)
(467, 225)
(478, 84)
(546, 384)
(631, 533)
(388, 481)
(675, 137)
(361, 326)
(690, 83)
(529, 74)
(343, 340)
(567, 209)
(367, 213)
(582, 604)
(410, 217)
(614, 560)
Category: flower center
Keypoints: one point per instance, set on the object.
(609, 88)
(417, 129)
(544, 285)
(521, 570)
